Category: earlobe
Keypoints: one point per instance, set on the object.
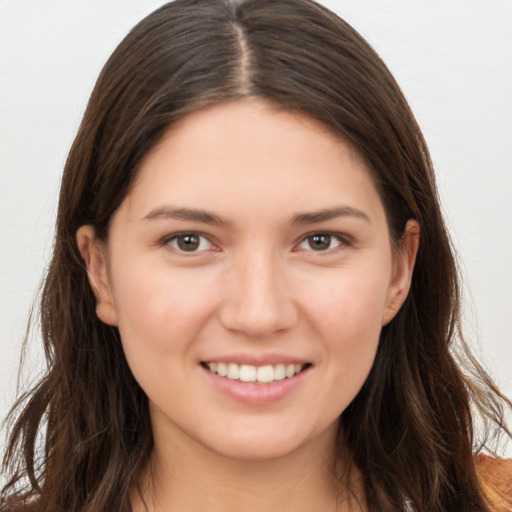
(93, 254)
(403, 266)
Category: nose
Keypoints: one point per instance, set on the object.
(257, 302)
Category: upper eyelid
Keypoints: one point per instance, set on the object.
(343, 237)
(171, 236)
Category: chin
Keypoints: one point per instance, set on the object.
(256, 451)
(262, 445)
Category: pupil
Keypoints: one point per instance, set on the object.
(319, 242)
(188, 242)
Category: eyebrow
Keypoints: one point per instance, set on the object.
(329, 214)
(206, 217)
(190, 214)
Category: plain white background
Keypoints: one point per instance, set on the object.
(453, 60)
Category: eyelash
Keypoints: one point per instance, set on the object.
(167, 241)
(343, 241)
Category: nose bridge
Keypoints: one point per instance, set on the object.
(257, 301)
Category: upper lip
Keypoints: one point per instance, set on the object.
(257, 360)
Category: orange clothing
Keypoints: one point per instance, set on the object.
(496, 479)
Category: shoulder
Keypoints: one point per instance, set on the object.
(496, 479)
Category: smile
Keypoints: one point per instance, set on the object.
(260, 374)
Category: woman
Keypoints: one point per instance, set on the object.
(253, 301)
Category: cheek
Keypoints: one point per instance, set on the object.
(160, 317)
(160, 309)
(348, 316)
(350, 304)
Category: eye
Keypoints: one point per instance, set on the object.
(189, 242)
(320, 242)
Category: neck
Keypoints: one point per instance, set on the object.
(185, 475)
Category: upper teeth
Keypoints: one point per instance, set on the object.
(249, 373)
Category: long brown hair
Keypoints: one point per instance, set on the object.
(82, 435)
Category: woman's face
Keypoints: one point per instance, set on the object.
(253, 242)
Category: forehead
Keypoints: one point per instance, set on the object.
(248, 154)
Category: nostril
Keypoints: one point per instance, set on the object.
(258, 318)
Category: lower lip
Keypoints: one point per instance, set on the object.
(256, 394)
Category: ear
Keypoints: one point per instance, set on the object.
(94, 255)
(404, 258)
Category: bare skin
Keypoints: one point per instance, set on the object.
(194, 479)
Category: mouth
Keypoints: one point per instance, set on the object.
(265, 374)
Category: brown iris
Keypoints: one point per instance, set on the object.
(189, 242)
(319, 242)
